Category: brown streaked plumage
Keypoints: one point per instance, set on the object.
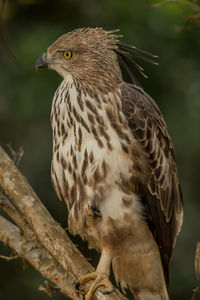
(113, 162)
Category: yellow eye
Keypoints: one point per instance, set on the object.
(67, 54)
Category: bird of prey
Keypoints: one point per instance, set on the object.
(113, 162)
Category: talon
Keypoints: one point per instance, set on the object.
(86, 278)
(99, 280)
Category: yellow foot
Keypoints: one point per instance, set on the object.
(100, 279)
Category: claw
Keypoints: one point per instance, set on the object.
(99, 280)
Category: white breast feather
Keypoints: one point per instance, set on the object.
(119, 163)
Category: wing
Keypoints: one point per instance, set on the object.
(158, 184)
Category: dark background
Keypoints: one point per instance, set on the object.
(27, 28)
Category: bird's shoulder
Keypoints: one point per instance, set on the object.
(141, 110)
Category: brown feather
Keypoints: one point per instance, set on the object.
(164, 202)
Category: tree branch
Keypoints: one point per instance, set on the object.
(13, 237)
(37, 237)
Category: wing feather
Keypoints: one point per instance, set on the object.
(159, 183)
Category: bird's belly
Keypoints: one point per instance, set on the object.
(92, 178)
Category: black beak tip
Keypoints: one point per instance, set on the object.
(41, 63)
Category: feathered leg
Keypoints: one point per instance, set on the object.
(100, 276)
(140, 270)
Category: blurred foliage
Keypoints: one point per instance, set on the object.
(192, 21)
(27, 28)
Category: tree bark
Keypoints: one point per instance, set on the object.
(37, 237)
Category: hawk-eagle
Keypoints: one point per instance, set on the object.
(113, 162)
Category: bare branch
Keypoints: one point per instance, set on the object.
(197, 261)
(17, 155)
(11, 210)
(8, 258)
(11, 235)
(38, 238)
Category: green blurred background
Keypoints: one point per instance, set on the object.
(27, 28)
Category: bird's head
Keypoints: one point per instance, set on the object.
(86, 54)
(91, 55)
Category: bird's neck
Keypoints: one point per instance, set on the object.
(100, 82)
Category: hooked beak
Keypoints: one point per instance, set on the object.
(41, 62)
